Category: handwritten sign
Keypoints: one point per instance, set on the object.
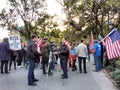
(14, 42)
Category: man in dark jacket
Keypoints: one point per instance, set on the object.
(32, 53)
(63, 54)
(45, 51)
(4, 51)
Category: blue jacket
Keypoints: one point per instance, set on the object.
(97, 48)
(4, 51)
(73, 51)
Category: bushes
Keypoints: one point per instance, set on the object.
(115, 74)
(118, 63)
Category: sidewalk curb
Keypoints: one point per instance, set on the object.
(110, 78)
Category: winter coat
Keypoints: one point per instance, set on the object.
(45, 49)
(32, 50)
(64, 52)
(4, 51)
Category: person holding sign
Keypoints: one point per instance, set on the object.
(32, 53)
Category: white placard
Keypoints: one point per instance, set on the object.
(14, 42)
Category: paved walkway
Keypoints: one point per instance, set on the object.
(17, 80)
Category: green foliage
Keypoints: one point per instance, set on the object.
(117, 71)
(117, 77)
(91, 13)
(115, 74)
(118, 63)
(109, 67)
(25, 11)
(112, 74)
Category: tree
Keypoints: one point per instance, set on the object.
(84, 14)
(24, 11)
(78, 13)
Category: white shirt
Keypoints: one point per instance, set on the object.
(82, 50)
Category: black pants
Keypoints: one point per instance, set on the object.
(73, 65)
(20, 56)
(13, 57)
(44, 63)
(80, 59)
(2, 66)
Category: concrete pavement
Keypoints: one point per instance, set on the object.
(17, 80)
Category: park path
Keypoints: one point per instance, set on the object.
(17, 80)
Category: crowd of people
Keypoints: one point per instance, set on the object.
(47, 54)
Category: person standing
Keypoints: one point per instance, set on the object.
(20, 56)
(45, 52)
(88, 50)
(82, 54)
(5, 55)
(31, 56)
(97, 56)
(12, 59)
(64, 54)
(73, 55)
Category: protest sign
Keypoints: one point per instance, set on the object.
(14, 42)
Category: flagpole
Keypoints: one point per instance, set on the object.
(109, 34)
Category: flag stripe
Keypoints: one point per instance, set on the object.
(114, 50)
(112, 53)
(117, 49)
(112, 44)
(107, 47)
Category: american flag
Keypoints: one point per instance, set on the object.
(112, 44)
(91, 43)
(38, 44)
(100, 37)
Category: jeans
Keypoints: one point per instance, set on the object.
(98, 65)
(64, 66)
(31, 70)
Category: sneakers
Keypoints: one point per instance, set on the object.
(44, 73)
(7, 72)
(2, 72)
(32, 84)
(50, 73)
(85, 72)
(64, 77)
(35, 80)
